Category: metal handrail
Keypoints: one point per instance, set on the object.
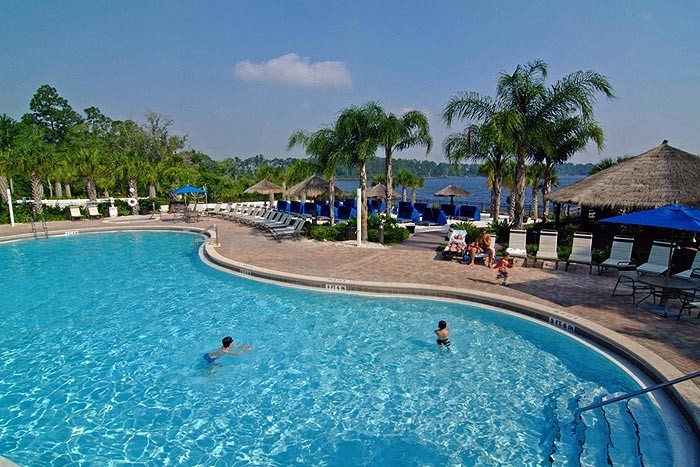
(44, 227)
(640, 392)
(215, 231)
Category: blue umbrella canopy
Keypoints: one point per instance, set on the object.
(672, 216)
(187, 189)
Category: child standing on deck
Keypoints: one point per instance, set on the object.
(502, 267)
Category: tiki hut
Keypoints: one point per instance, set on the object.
(312, 187)
(379, 191)
(663, 175)
(453, 190)
(265, 187)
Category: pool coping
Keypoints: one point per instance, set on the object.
(685, 395)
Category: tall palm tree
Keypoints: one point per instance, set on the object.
(89, 164)
(558, 141)
(534, 176)
(404, 179)
(524, 102)
(31, 154)
(324, 147)
(415, 181)
(481, 143)
(399, 133)
(5, 159)
(358, 131)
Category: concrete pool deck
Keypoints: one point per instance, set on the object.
(672, 347)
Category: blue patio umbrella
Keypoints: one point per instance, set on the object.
(672, 216)
(187, 190)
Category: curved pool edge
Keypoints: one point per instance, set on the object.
(685, 395)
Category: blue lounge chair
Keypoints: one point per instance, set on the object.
(469, 213)
(433, 216)
(345, 213)
(450, 210)
(420, 207)
(283, 205)
(407, 213)
(295, 207)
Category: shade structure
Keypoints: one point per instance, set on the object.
(379, 191)
(661, 176)
(453, 190)
(265, 187)
(311, 187)
(674, 217)
(188, 190)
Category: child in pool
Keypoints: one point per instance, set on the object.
(227, 347)
(443, 336)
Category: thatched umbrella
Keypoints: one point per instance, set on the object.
(453, 190)
(379, 191)
(661, 176)
(265, 188)
(312, 187)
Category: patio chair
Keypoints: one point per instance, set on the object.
(696, 265)
(164, 209)
(629, 278)
(658, 260)
(75, 214)
(620, 255)
(691, 299)
(581, 250)
(293, 230)
(93, 212)
(547, 250)
(516, 245)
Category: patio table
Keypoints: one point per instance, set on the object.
(667, 288)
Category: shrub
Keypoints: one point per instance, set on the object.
(326, 232)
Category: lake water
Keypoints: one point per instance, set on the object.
(479, 192)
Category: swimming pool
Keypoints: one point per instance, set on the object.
(101, 361)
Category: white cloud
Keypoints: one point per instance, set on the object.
(293, 70)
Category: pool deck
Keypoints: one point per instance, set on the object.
(672, 346)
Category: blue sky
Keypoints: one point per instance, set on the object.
(238, 77)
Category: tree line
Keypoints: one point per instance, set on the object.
(516, 139)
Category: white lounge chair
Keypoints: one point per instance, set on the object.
(620, 255)
(458, 238)
(93, 212)
(75, 213)
(658, 260)
(516, 244)
(293, 230)
(581, 250)
(547, 250)
(164, 209)
(696, 265)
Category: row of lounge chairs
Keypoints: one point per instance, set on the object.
(272, 222)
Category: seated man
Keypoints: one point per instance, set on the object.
(482, 244)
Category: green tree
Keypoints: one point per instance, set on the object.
(31, 155)
(358, 130)
(481, 143)
(89, 164)
(607, 163)
(523, 103)
(52, 112)
(400, 133)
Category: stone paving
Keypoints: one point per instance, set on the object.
(417, 262)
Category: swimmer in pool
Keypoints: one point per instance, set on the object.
(227, 347)
(443, 336)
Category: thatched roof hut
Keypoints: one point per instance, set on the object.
(312, 187)
(453, 190)
(663, 175)
(379, 191)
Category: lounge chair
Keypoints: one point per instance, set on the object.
(620, 255)
(292, 230)
(164, 209)
(516, 244)
(75, 214)
(658, 260)
(581, 250)
(214, 210)
(547, 250)
(485, 255)
(696, 265)
(93, 212)
(449, 254)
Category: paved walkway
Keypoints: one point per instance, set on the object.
(417, 262)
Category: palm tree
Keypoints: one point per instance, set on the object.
(32, 155)
(533, 178)
(403, 179)
(5, 159)
(523, 103)
(89, 165)
(399, 133)
(480, 143)
(358, 132)
(324, 147)
(415, 181)
(558, 141)
(607, 163)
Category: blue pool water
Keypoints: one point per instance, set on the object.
(101, 362)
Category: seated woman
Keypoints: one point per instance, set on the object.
(457, 243)
(482, 244)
